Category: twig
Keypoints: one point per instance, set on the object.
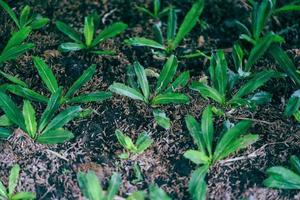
(57, 154)
(254, 120)
(107, 15)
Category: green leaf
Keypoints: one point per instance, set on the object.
(220, 77)
(196, 157)
(125, 141)
(143, 142)
(161, 119)
(63, 118)
(13, 79)
(104, 52)
(124, 90)
(229, 136)
(238, 56)
(90, 186)
(39, 22)
(156, 193)
(142, 79)
(46, 74)
(194, 129)
(52, 106)
(83, 79)
(110, 32)
(139, 41)
(286, 9)
(24, 196)
(207, 128)
(283, 178)
(114, 185)
(144, 10)
(167, 74)
(26, 93)
(13, 179)
(55, 136)
(293, 104)
(4, 121)
(24, 15)
(158, 33)
(9, 11)
(207, 91)
(172, 24)
(97, 96)
(17, 38)
(88, 30)
(170, 98)
(156, 6)
(11, 110)
(15, 51)
(3, 192)
(197, 184)
(285, 63)
(261, 98)
(256, 82)
(295, 163)
(4, 134)
(67, 30)
(29, 118)
(189, 22)
(180, 82)
(71, 46)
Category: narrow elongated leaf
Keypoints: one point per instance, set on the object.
(125, 141)
(286, 9)
(161, 119)
(11, 110)
(190, 20)
(280, 177)
(4, 121)
(55, 136)
(295, 163)
(90, 185)
(172, 24)
(170, 98)
(230, 135)
(256, 82)
(157, 193)
(194, 129)
(52, 106)
(139, 41)
(83, 79)
(144, 10)
(104, 52)
(88, 30)
(39, 22)
(17, 38)
(3, 192)
(13, 179)
(207, 91)
(196, 157)
(4, 134)
(261, 98)
(114, 185)
(197, 184)
(158, 33)
(207, 128)
(67, 30)
(142, 79)
(143, 142)
(14, 52)
(221, 73)
(9, 11)
(156, 7)
(24, 15)
(167, 74)
(63, 118)
(29, 118)
(124, 90)
(293, 104)
(180, 82)
(71, 46)
(285, 63)
(238, 56)
(110, 32)
(91, 97)
(46, 74)
(26, 93)
(24, 196)
(14, 79)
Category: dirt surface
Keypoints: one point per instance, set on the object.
(51, 170)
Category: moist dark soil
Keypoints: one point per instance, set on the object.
(50, 171)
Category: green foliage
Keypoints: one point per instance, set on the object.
(173, 39)
(157, 12)
(48, 129)
(161, 119)
(223, 83)
(91, 40)
(21, 89)
(16, 46)
(91, 188)
(283, 178)
(208, 152)
(9, 192)
(293, 105)
(142, 143)
(26, 20)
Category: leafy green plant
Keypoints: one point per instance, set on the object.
(48, 129)
(21, 89)
(223, 82)
(157, 13)
(173, 39)
(283, 178)
(9, 192)
(91, 188)
(15, 46)
(232, 139)
(293, 105)
(90, 41)
(26, 18)
(142, 143)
